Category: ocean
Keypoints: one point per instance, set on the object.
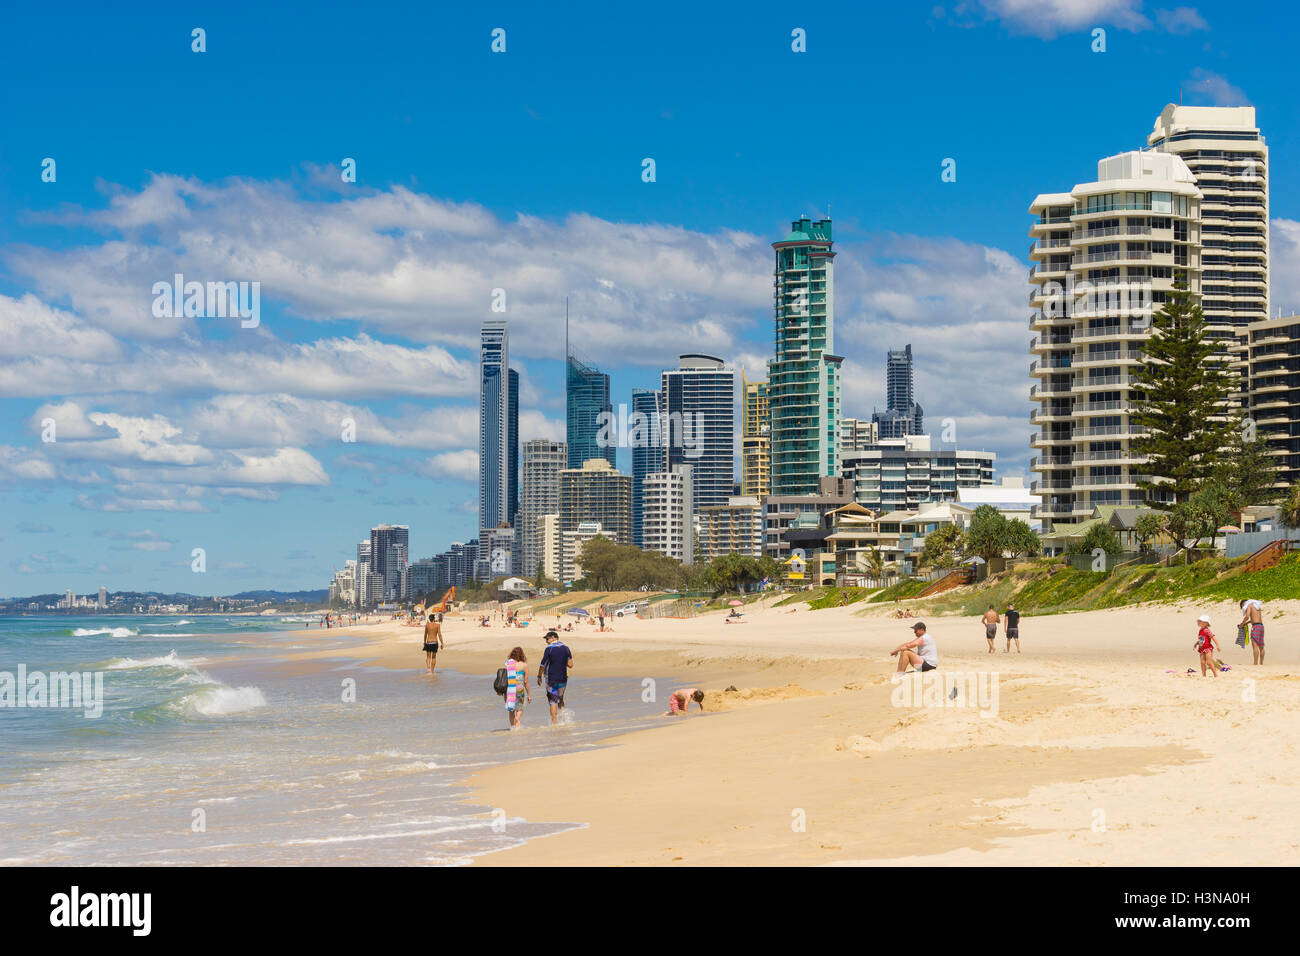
(215, 747)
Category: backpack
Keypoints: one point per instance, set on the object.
(501, 682)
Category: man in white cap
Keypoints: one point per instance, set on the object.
(918, 653)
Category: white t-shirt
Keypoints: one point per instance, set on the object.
(927, 651)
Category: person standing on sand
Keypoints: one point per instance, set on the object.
(433, 642)
(1012, 618)
(601, 615)
(991, 621)
(556, 661)
(517, 694)
(1206, 644)
(919, 653)
(1252, 617)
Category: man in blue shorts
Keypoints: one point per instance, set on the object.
(554, 669)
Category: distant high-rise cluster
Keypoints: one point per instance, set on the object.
(800, 459)
(902, 415)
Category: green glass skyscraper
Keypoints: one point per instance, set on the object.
(803, 377)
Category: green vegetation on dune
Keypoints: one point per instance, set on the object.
(839, 597)
(1278, 583)
(1044, 587)
(905, 588)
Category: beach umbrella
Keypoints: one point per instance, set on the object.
(736, 603)
(578, 611)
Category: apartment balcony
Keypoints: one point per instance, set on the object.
(1113, 332)
(1043, 269)
(1090, 457)
(1085, 408)
(1050, 388)
(1050, 415)
(1096, 235)
(1046, 245)
(1039, 440)
(1049, 367)
(1088, 482)
(1087, 360)
(1050, 461)
(1109, 431)
(1049, 320)
(1082, 384)
(1048, 343)
(1052, 485)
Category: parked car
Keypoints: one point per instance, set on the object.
(626, 610)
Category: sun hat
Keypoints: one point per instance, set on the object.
(1205, 618)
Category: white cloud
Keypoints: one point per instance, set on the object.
(1215, 89)
(1047, 18)
(1181, 20)
(1284, 266)
(406, 264)
(22, 465)
(459, 465)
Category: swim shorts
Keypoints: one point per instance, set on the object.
(1257, 634)
(431, 648)
(1013, 634)
(990, 631)
(555, 693)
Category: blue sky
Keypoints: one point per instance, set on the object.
(518, 170)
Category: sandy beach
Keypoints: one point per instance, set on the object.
(1097, 748)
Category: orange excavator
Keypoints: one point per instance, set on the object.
(445, 604)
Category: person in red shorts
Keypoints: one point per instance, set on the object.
(1206, 644)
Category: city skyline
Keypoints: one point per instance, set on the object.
(182, 434)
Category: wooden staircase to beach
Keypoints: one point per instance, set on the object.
(953, 579)
(1265, 557)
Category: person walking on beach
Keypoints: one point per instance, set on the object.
(433, 642)
(601, 615)
(991, 622)
(1252, 618)
(517, 694)
(1206, 644)
(920, 653)
(1012, 618)
(554, 670)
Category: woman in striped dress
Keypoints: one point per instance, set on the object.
(517, 695)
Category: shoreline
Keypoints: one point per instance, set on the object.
(1102, 751)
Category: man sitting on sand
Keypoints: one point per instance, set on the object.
(919, 653)
(1252, 617)
(679, 701)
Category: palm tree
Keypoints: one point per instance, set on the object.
(1290, 509)
(874, 564)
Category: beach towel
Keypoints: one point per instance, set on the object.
(512, 683)
(1242, 638)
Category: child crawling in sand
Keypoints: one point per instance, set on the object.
(680, 700)
(1206, 644)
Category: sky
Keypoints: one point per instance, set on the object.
(519, 170)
